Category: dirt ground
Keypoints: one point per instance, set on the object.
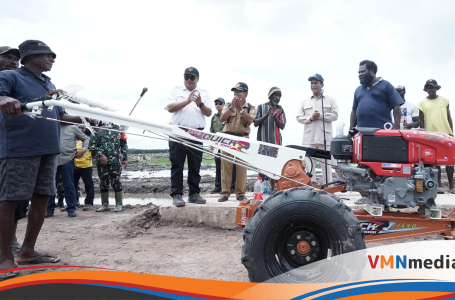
(121, 241)
(136, 241)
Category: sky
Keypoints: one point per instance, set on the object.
(115, 48)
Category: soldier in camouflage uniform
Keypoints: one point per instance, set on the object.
(110, 151)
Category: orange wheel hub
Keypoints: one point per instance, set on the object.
(303, 247)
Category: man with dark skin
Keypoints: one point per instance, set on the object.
(267, 132)
(435, 116)
(374, 100)
(274, 101)
(9, 60)
(35, 64)
(410, 109)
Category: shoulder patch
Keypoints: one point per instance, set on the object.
(123, 136)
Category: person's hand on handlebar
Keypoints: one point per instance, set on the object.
(10, 106)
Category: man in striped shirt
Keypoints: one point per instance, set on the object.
(271, 119)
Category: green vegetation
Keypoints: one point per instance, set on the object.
(143, 151)
(163, 160)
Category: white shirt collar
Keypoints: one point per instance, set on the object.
(185, 89)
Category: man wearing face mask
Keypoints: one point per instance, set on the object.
(310, 114)
(189, 105)
(374, 100)
(271, 119)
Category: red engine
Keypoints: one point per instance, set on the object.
(395, 152)
(395, 168)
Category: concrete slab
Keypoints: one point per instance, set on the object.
(222, 214)
(213, 213)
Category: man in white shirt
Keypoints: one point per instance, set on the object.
(310, 114)
(409, 111)
(189, 105)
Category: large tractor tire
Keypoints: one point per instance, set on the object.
(295, 228)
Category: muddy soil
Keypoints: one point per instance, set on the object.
(161, 185)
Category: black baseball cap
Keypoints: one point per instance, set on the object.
(6, 49)
(30, 47)
(241, 86)
(433, 83)
(191, 71)
(220, 99)
(317, 77)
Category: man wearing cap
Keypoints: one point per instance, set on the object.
(28, 151)
(271, 119)
(238, 116)
(435, 116)
(9, 60)
(217, 126)
(310, 114)
(409, 112)
(374, 100)
(189, 105)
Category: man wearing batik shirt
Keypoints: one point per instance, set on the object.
(270, 118)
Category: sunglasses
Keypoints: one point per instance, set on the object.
(189, 77)
(218, 102)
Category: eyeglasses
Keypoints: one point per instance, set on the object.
(189, 77)
(218, 102)
(238, 91)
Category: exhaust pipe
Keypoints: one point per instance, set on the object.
(347, 168)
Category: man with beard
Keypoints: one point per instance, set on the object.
(435, 116)
(374, 100)
(270, 118)
(189, 106)
(9, 60)
(310, 114)
(409, 112)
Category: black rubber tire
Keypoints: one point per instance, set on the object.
(288, 217)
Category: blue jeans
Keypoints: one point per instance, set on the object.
(67, 173)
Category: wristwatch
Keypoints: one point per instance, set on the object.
(201, 105)
(241, 111)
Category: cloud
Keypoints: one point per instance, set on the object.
(115, 49)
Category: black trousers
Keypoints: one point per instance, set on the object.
(87, 178)
(218, 174)
(177, 154)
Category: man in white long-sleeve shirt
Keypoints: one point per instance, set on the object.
(310, 114)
